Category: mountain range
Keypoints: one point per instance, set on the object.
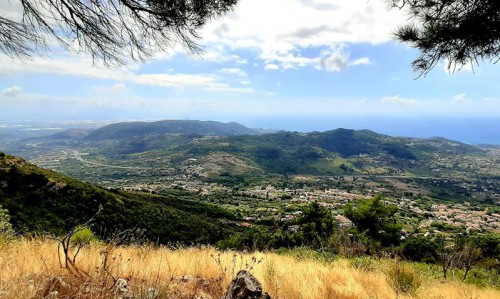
(141, 152)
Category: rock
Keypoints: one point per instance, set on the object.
(121, 285)
(152, 293)
(245, 286)
(121, 289)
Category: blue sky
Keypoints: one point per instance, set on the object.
(286, 59)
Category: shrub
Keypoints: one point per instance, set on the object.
(6, 231)
(82, 236)
(420, 249)
(363, 263)
(404, 279)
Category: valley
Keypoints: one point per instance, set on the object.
(438, 184)
(315, 197)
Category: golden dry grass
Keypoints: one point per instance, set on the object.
(25, 266)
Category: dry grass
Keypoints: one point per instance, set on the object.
(26, 265)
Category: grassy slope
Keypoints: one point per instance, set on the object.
(26, 263)
(42, 200)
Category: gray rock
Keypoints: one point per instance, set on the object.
(245, 286)
(152, 293)
(122, 290)
(121, 285)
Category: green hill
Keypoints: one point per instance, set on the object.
(192, 127)
(40, 200)
(338, 151)
(162, 159)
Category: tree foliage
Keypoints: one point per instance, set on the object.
(6, 230)
(458, 31)
(44, 201)
(376, 218)
(108, 30)
(316, 225)
(420, 248)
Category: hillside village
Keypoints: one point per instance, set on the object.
(427, 216)
(332, 192)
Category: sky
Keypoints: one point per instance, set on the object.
(292, 61)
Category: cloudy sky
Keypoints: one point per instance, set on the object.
(284, 59)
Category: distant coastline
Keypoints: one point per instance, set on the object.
(473, 130)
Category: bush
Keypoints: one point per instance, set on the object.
(363, 263)
(82, 236)
(6, 231)
(404, 279)
(420, 249)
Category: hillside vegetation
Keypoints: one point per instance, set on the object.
(318, 152)
(206, 273)
(333, 152)
(153, 155)
(195, 127)
(337, 261)
(40, 200)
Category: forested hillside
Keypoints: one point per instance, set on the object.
(39, 200)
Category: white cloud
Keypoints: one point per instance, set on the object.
(331, 59)
(280, 30)
(234, 71)
(334, 59)
(82, 67)
(11, 91)
(360, 61)
(461, 98)
(217, 53)
(241, 61)
(118, 88)
(397, 100)
(271, 66)
(276, 61)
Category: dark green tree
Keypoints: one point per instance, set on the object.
(109, 30)
(420, 249)
(375, 218)
(489, 243)
(317, 225)
(458, 31)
